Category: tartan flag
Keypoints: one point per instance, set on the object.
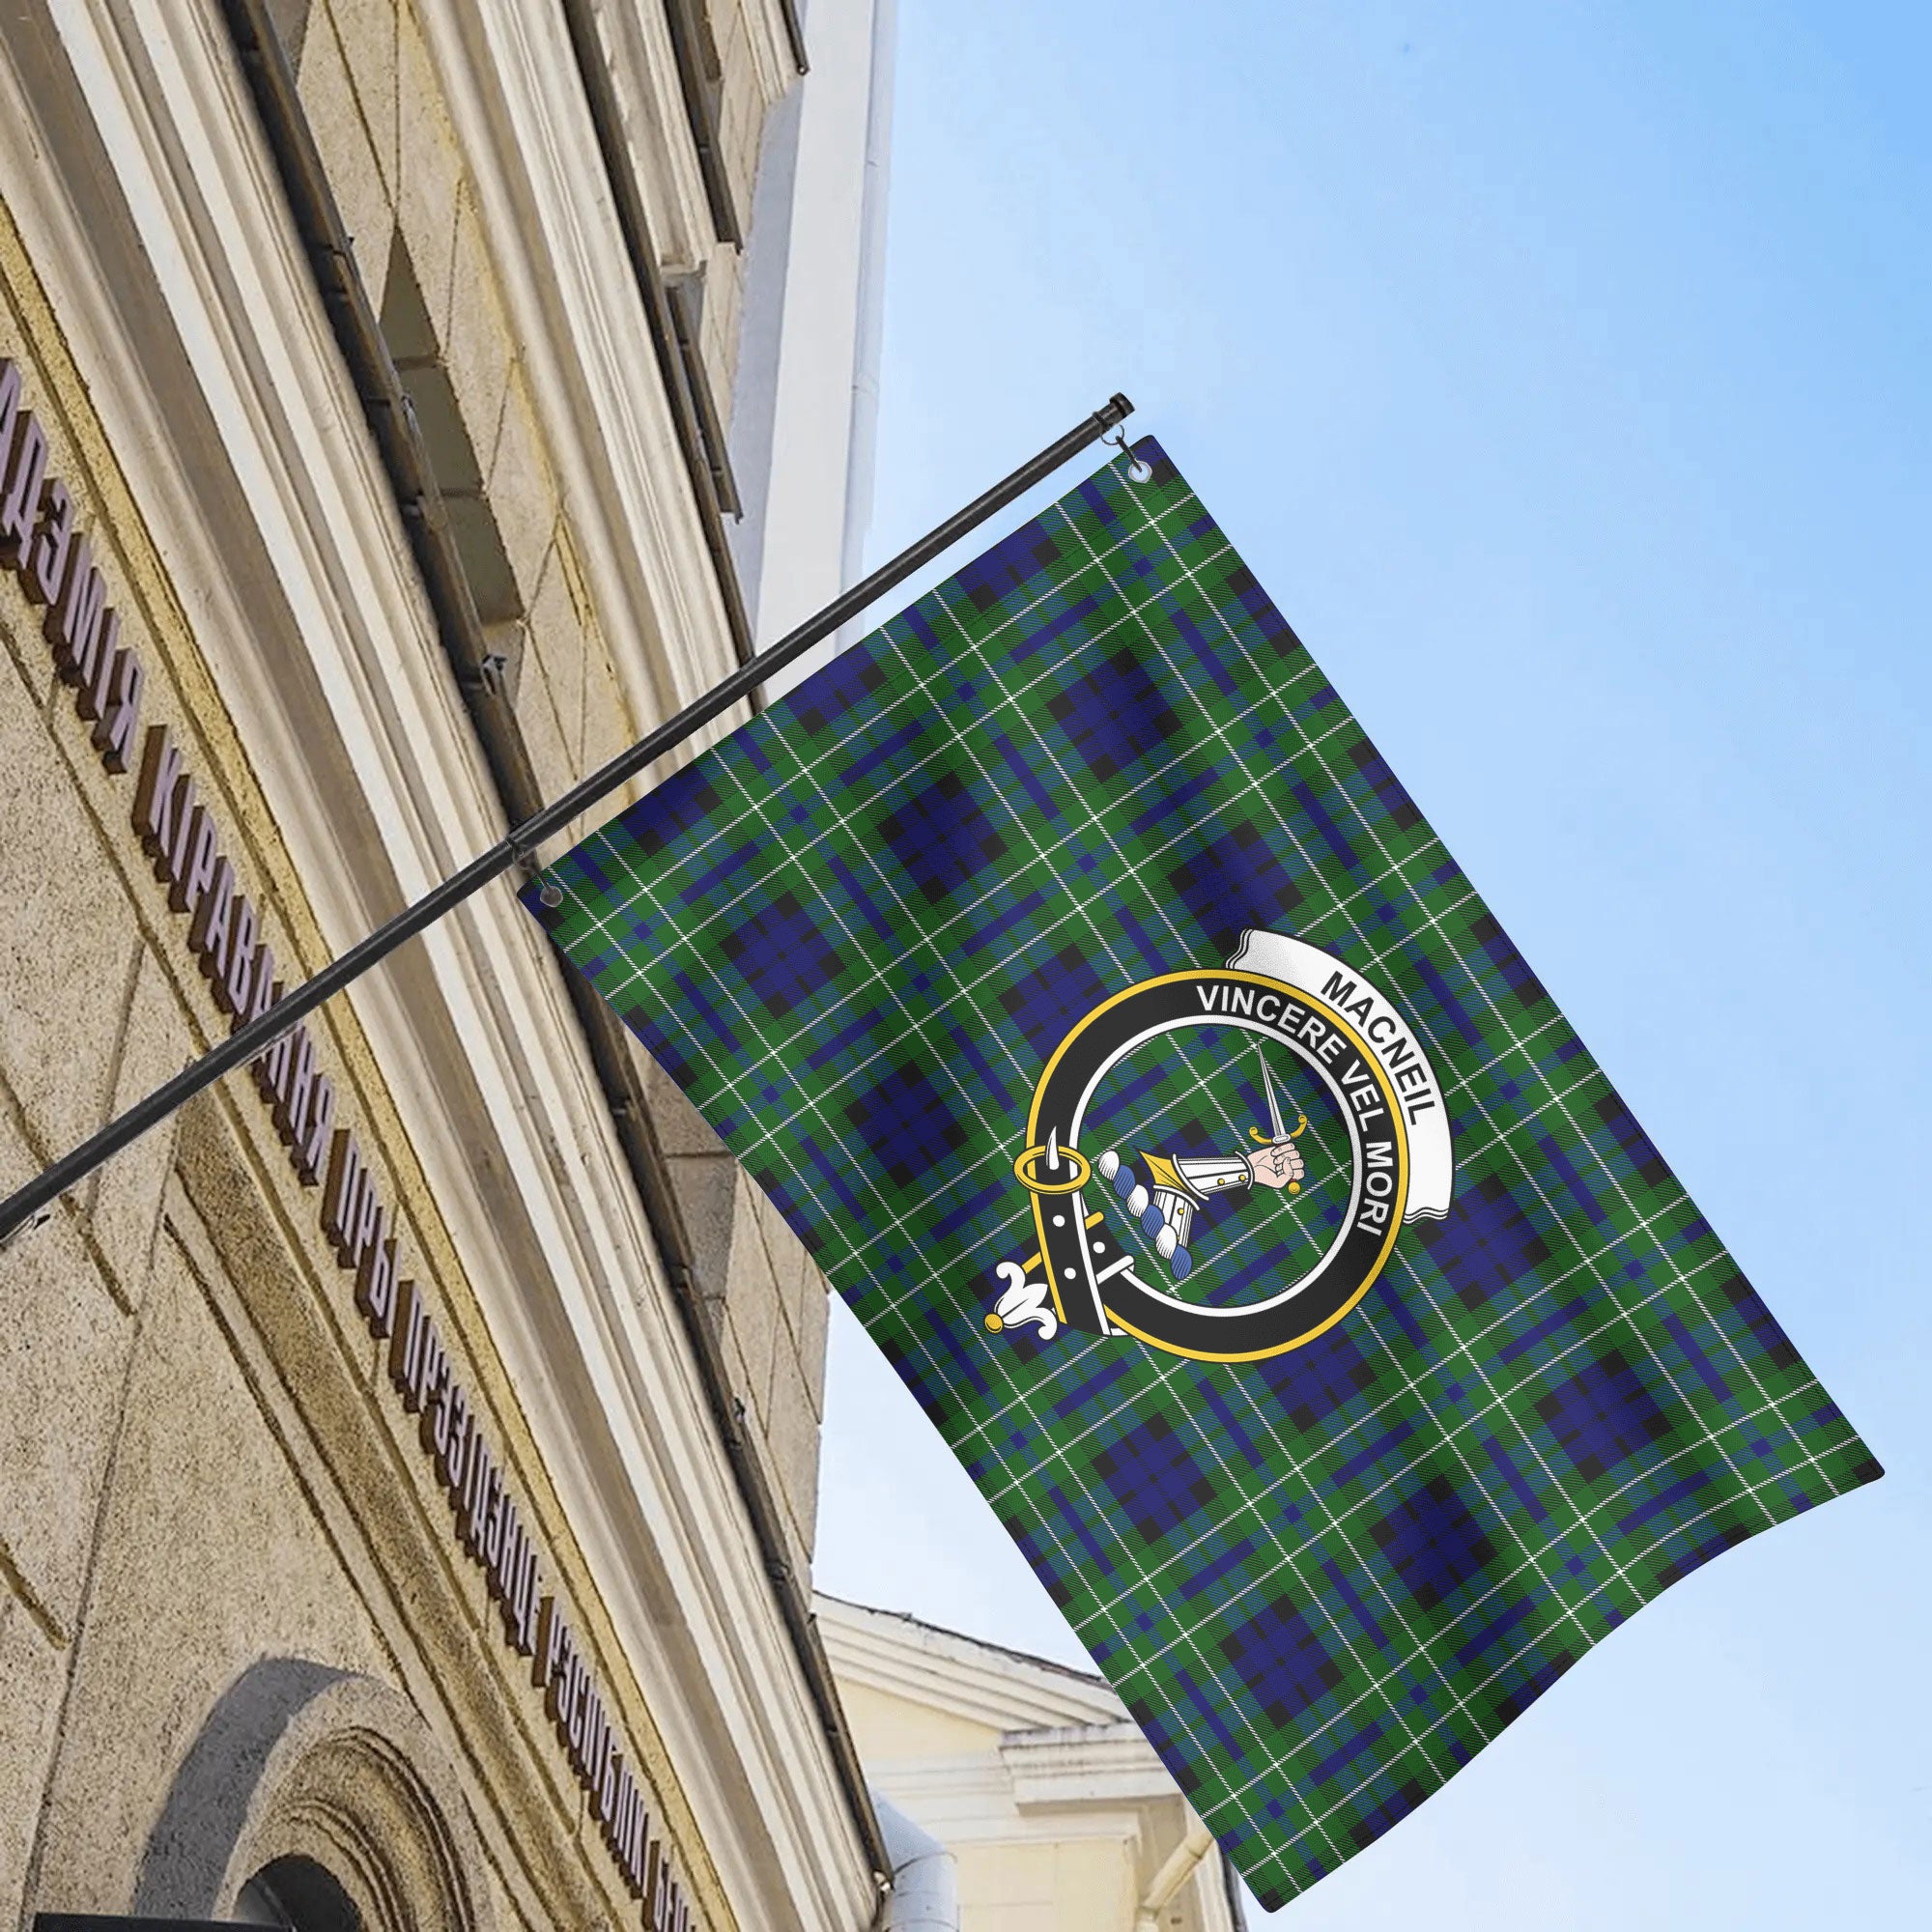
(1084, 988)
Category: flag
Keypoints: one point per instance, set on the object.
(1083, 987)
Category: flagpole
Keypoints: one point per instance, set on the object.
(33, 1202)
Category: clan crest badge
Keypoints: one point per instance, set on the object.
(1218, 1161)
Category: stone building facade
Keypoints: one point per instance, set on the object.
(408, 1454)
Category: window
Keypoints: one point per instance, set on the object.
(700, 76)
(411, 335)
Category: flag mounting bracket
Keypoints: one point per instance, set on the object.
(525, 862)
(30, 1205)
(1137, 470)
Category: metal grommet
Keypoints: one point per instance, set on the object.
(1137, 470)
(548, 891)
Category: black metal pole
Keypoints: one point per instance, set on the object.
(248, 1040)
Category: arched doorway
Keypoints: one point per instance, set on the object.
(298, 1894)
(315, 1800)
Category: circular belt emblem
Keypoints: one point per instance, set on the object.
(1176, 1190)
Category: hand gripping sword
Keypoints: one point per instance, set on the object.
(1280, 1136)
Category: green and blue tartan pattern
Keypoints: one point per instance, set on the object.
(855, 930)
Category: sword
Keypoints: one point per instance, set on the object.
(1281, 1135)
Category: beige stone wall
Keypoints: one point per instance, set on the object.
(766, 1301)
(370, 88)
(374, 103)
(201, 1461)
(890, 1728)
(1045, 1888)
(202, 1464)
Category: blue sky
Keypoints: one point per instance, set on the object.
(1563, 372)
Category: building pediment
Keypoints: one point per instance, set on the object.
(962, 1677)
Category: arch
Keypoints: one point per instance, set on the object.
(299, 1761)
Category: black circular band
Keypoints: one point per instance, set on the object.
(1097, 1277)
